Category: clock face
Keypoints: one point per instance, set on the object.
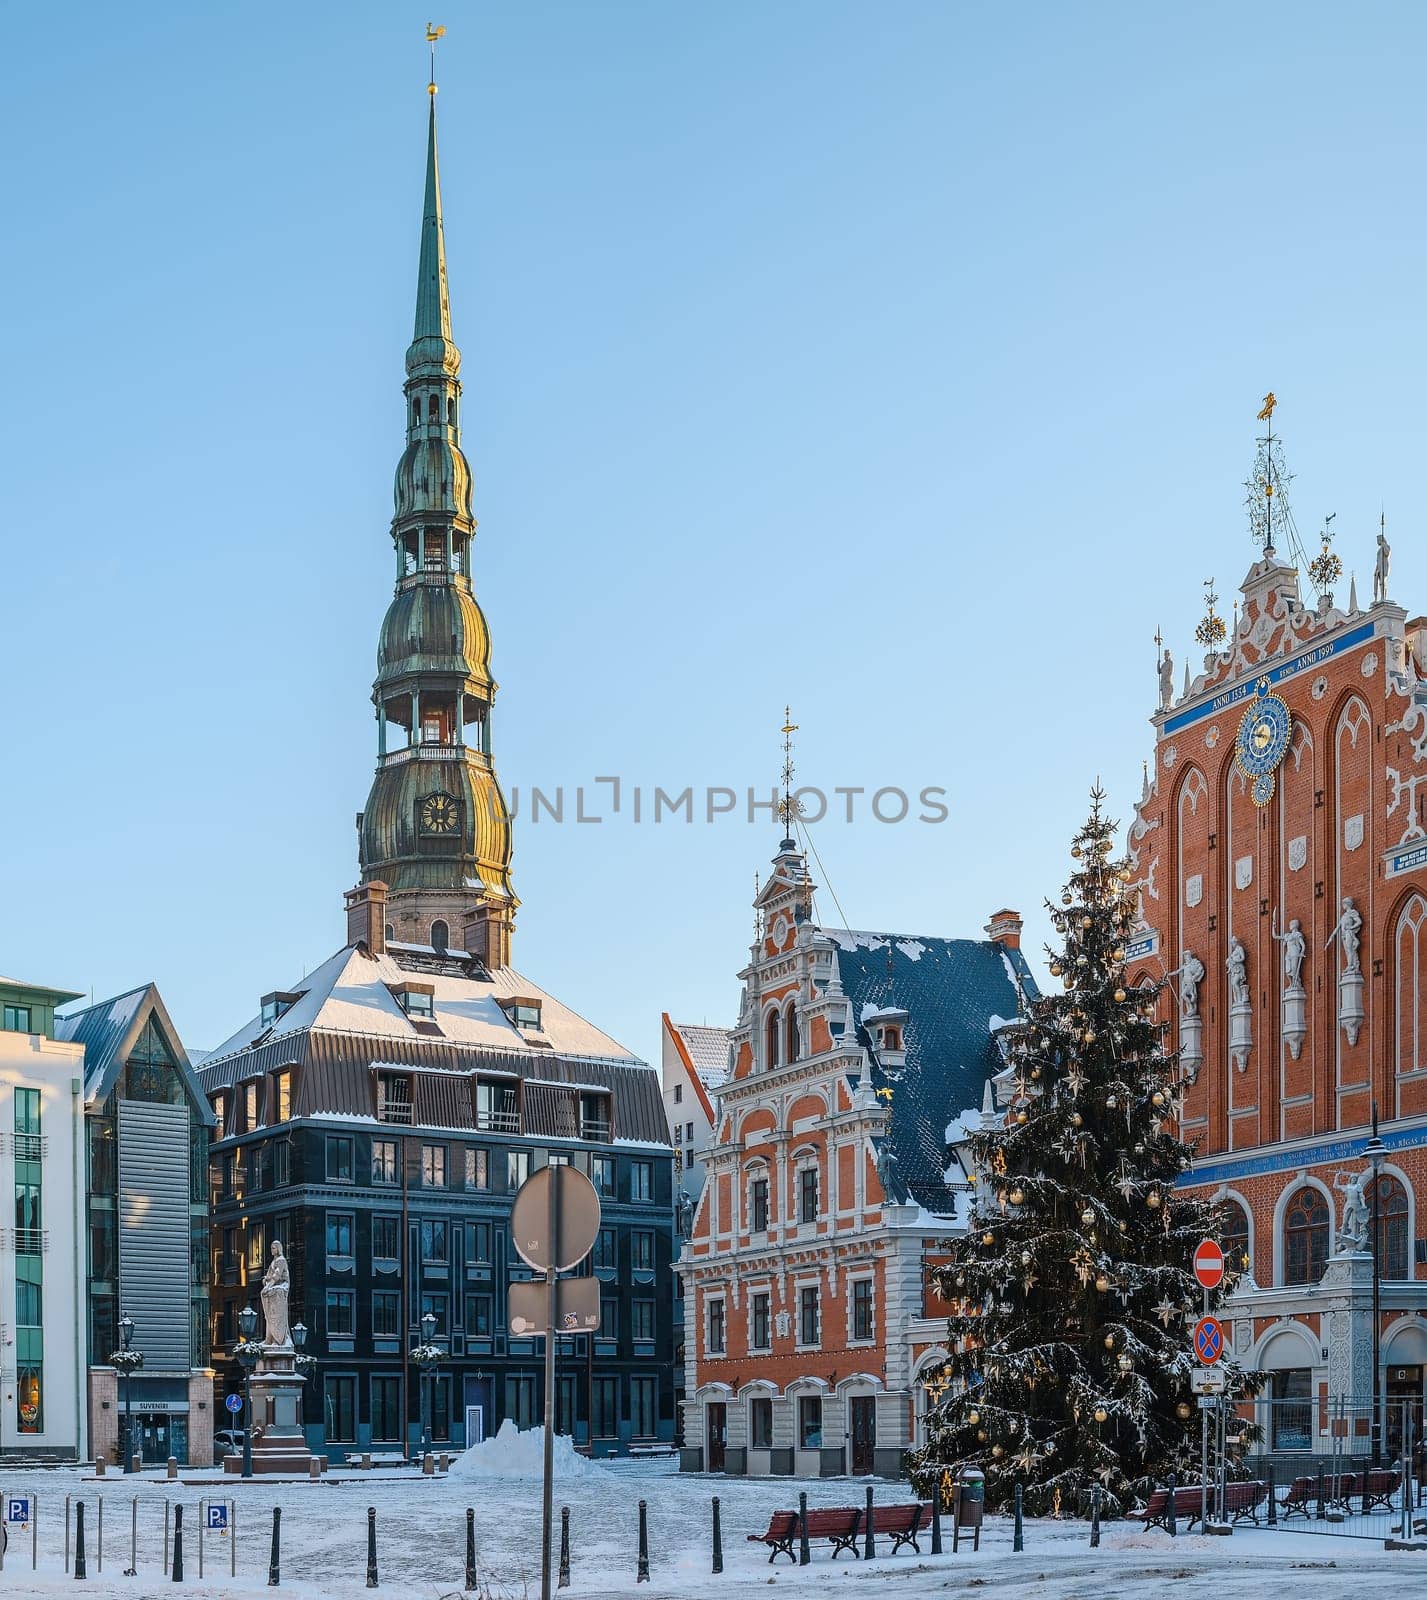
(1263, 741)
(440, 814)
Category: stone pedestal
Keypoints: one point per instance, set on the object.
(1347, 1289)
(1241, 1033)
(1295, 1024)
(1191, 1045)
(276, 1389)
(1350, 1002)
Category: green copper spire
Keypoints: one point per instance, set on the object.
(431, 345)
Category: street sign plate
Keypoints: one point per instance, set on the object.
(1209, 1264)
(1208, 1340)
(577, 1307)
(577, 1214)
(1207, 1380)
(218, 1517)
(234, 1403)
(17, 1508)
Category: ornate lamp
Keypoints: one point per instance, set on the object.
(127, 1360)
(247, 1351)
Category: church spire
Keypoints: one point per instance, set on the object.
(436, 831)
(431, 344)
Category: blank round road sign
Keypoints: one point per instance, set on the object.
(578, 1209)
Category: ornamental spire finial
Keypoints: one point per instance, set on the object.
(787, 806)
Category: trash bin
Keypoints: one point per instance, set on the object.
(970, 1503)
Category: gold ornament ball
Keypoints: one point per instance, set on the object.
(1109, 1341)
(1184, 1411)
(1119, 997)
(1126, 1365)
(1076, 1120)
(1102, 1283)
(1065, 899)
(1035, 1074)
(988, 1239)
(1056, 969)
(1020, 1116)
(1017, 1196)
(998, 1450)
(1101, 1413)
(1152, 1200)
(1157, 1098)
(973, 1417)
(1119, 954)
(1087, 1216)
(1025, 1258)
(1087, 922)
(981, 1436)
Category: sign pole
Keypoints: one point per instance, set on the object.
(1204, 1453)
(547, 1486)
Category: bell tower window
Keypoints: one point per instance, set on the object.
(451, 411)
(440, 937)
(433, 409)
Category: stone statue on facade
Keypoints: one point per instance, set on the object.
(1380, 569)
(888, 1172)
(276, 1334)
(1191, 975)
(685, 1213)
(1166, 680)
(1357, 1218)
(1348, 932)
(1238, 965)
(1294, 949)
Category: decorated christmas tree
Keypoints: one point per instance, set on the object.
(1073, 1287)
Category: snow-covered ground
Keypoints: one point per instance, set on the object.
(421, 1544)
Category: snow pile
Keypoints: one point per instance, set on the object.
(513, 1454)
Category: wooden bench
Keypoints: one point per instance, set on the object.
(1369, 1491)
(1242, 1500)
(1300, 1500)
(838, 1526)
(902, 1524)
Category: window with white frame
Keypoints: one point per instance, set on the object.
(863, 1321)
(809, 1319)
(758, 1202)
(716, 1330)
(760, 1333)
(808, 1193)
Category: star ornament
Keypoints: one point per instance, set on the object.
(1166, 1311)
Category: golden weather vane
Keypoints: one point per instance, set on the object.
(433, 33)
(1269, 402)
(787, 808)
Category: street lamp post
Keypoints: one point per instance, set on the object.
(1375, 1150)
(126, 1337)
(428, 1331)
(247, 1352)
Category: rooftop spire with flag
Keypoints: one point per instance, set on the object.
(431, 340)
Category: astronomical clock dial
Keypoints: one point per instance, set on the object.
(1263, 741)
(439, 814)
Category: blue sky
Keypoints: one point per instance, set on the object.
(898, 362)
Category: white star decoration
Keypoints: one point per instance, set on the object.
(1165, 1311)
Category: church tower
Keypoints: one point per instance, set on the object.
(435, 838)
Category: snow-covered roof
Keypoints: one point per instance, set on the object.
(707, 1050)
(351, 992)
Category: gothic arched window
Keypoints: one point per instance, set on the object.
(1234, 1236)
(1411, 963)
(1391, 1226)
(1305, 1237)
(770, 1059)
(790, 1032)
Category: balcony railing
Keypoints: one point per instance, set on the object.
(498, 1121)
(31, 1241)
(595, 1128)
(397, 1111)
(31, 1146)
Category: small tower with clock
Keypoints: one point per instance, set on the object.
(436, 828)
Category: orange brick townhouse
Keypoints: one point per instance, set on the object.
(1281, 852)
(859, 1062)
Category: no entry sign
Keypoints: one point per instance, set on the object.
(1209, 1264)
(1208, 1340)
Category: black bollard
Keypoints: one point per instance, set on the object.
(564, 1579)
(371, 1547)
(1018, 1536)
(717, 1539)
(80, 1570)
(642, 1576)
(1322, 1507)
(936, 1519)
(275, 1559)
(1095, 1517)
(804, 1554)
(470, 1548)
(176, 1570)
(869, 1532)
(1272, 1499)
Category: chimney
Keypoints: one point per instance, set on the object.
(487, 931)
(366, 916)
(1005, 928)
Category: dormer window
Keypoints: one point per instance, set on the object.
(417, 1000)
(275, 1004)
(523, 1012)
(891, 1037)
